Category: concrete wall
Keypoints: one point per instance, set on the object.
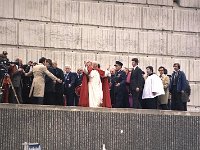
(158, 32)
(76, 128)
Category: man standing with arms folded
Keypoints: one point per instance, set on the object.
(136, 83)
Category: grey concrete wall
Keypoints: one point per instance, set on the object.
(158, 32)
(75, 128)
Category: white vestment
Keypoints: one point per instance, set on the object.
(94, 88)
(152, 84)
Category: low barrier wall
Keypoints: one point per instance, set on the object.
(76, 128)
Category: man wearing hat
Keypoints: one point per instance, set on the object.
(119, 86)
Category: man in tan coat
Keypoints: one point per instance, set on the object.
(163, 99)
(37, 89)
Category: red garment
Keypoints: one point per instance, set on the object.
(84, 97)
(106, 90)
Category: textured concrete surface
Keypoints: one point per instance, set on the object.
(73, 128)
(158, 32)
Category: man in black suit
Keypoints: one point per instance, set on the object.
(49, 92)
(59, 90)
(119, 87)
(69, 86)
(136, 83)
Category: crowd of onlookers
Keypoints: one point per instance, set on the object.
(45, 83)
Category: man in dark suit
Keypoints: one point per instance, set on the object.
(136, 83)
(49, 92)
(69, 86)
(59, 89)
(27, 82)
(119, 87)
(177, 88)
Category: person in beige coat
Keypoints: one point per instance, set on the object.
(163, 99)
(37, 89)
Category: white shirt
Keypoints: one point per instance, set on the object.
(153, 83)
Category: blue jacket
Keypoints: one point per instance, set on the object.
(182, 82)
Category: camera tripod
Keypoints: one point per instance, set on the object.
(5, 83)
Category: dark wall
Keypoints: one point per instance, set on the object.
(74, 128)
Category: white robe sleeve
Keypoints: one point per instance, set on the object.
(107, 73)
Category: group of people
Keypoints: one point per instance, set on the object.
(118, 87)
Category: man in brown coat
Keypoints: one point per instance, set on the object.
(163, 99)
(37, 89)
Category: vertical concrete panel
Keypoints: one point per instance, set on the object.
(127, 41)
(34, 54)
(194, 98)
(127, 16)
(147, 61)
(186, 20)
(94, 38)
(33, 9)
(194, 72)
(62, 36)
(8, 32)
(96, 13)
(65, 11)
(157, 18)
(6, 8)
(31, 33)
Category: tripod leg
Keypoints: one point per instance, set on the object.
(14, 91)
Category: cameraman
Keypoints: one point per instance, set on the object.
(3, 64)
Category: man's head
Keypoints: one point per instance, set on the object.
(19, 61)
(67, 69)
(161, 70)
(135, 62)
(30, 63)
(149, 70)
(42, 61)
(112, 71)
(80, 71)
(5, 53)
(94, 65)
(176, 66)
(55, 64)
(49, 62)
(118, 65)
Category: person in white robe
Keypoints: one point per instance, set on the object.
(94, 86)
(153, 87)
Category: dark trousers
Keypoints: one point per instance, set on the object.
(59, 100)
(70, 99)
(176, 100)
(18, 91)
(49, 98)
(37, 100)
(77, 100)
(164, 106)
(136, 99)
(149, 103)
